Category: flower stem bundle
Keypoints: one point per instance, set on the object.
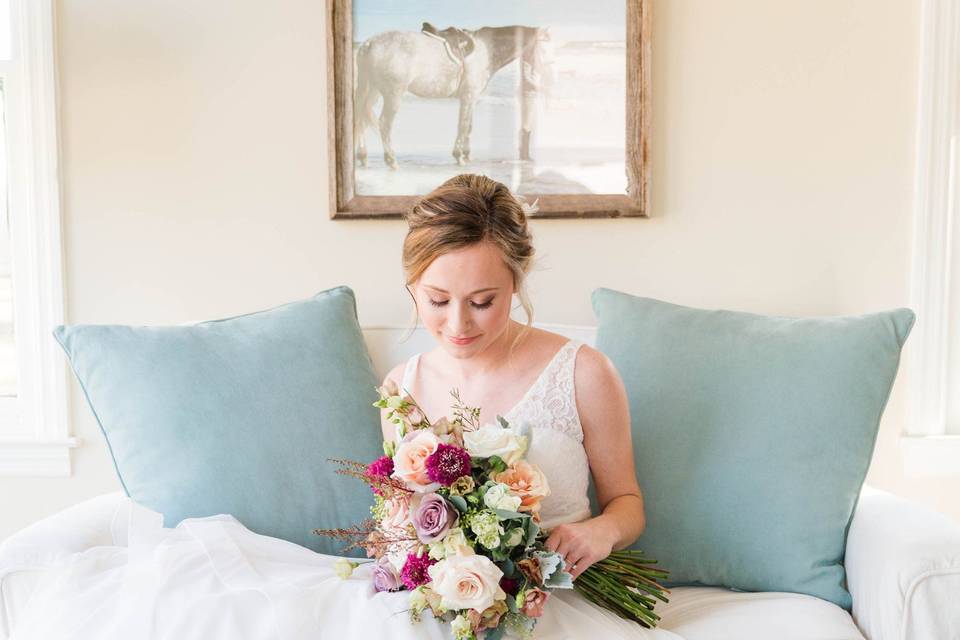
(625, 583)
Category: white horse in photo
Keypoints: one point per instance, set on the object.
(434, 64)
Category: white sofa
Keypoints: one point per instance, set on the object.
(902, 560)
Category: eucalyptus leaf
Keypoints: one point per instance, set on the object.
(532, 530)
(503, 514)
(494, 634)
(559, 580)
(459, 502)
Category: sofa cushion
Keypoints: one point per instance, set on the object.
(712, 613)
(752, 436)
(239, 415)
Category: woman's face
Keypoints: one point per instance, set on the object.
(466, 294)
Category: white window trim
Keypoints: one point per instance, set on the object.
(40, 443)
(928, 448)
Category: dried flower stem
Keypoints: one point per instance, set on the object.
(467, 417)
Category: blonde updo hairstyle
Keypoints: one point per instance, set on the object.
(463, 211)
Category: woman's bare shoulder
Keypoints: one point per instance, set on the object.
(595, 369)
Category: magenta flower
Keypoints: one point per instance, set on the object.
(414, 571)
(448, 463)
(381, 467)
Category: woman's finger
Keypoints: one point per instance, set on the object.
(564, 549)
(576, 563)
(552, 542)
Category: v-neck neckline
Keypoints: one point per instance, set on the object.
(416, 367)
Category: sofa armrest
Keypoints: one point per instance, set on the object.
(84, 525)
(903, 569)
(25, 554)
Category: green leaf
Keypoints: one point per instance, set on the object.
(503, 514)
(459, 503)
(508, 568)
(389, 448)
(494, 634)
(532, 530)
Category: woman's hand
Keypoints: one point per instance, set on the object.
(582, 543)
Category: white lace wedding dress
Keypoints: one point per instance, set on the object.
(211, 578)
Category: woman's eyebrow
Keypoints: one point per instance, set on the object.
(430, 286)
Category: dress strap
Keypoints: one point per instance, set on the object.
(410, 373)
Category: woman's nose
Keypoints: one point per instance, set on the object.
(459, 320)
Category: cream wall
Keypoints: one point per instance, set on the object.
(194, 181)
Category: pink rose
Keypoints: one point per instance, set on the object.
(410, 459)
(397, 510)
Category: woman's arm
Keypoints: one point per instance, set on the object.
(605, 417)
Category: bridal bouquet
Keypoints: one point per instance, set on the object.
(455, 521)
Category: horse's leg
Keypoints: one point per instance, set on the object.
(360, 122)
(461, 148)
(363, 116)
(391, 103)
(528, 113)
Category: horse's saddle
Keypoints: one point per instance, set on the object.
(458, 43)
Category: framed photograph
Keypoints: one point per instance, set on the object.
(550, 97)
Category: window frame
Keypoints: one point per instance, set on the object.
(38, 442)
(929, 447)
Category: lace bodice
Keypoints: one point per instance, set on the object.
(556, 435)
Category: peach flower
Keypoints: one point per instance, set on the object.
(527, 481)
(534, 601)
(490, 617)
(410, 459)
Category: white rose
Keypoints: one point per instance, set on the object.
(454, 543)
(498, 496)
(467, 582)
(493, 440)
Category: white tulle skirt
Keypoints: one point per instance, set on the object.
(212, 578)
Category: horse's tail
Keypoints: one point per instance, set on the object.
(365, 96)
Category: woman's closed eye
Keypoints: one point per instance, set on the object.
(481, 305)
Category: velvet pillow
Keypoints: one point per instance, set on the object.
(752, 435)
(238, 415)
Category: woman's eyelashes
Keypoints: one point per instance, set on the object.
(481, 305)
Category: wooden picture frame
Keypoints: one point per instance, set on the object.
(346, 203)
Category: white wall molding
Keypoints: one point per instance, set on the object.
(931, 456)
(39, 442)
(36, 459)
(934, 239)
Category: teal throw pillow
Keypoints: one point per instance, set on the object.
(239, 415)
(752, 435)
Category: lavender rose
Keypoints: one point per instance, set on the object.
(385, 575)
(433, 517)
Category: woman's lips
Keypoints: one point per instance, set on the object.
(461, 342)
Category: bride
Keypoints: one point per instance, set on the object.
(466, 253)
